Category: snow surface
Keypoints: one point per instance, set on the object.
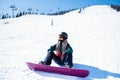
(94, 35)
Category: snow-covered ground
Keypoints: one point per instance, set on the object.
(94, 35)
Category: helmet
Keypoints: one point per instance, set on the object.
(64, 35)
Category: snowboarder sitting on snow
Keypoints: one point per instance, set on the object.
(61, 52)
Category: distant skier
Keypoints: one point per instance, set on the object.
(61, 52)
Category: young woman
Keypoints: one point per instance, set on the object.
(61, 52)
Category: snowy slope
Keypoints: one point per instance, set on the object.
(94, 35)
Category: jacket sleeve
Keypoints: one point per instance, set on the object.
(52, 48)
(69, 49)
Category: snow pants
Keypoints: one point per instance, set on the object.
(66, 59)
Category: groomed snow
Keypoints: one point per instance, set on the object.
(94, 35)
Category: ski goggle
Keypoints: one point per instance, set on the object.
(60, 36)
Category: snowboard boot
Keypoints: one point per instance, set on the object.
(42, 62)
(68, 66)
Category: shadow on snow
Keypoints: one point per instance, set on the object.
(96, 72)
(59, 76)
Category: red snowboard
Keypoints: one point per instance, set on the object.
(59, 70)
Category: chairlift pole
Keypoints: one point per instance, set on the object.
(13, 8)
(58, 10)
